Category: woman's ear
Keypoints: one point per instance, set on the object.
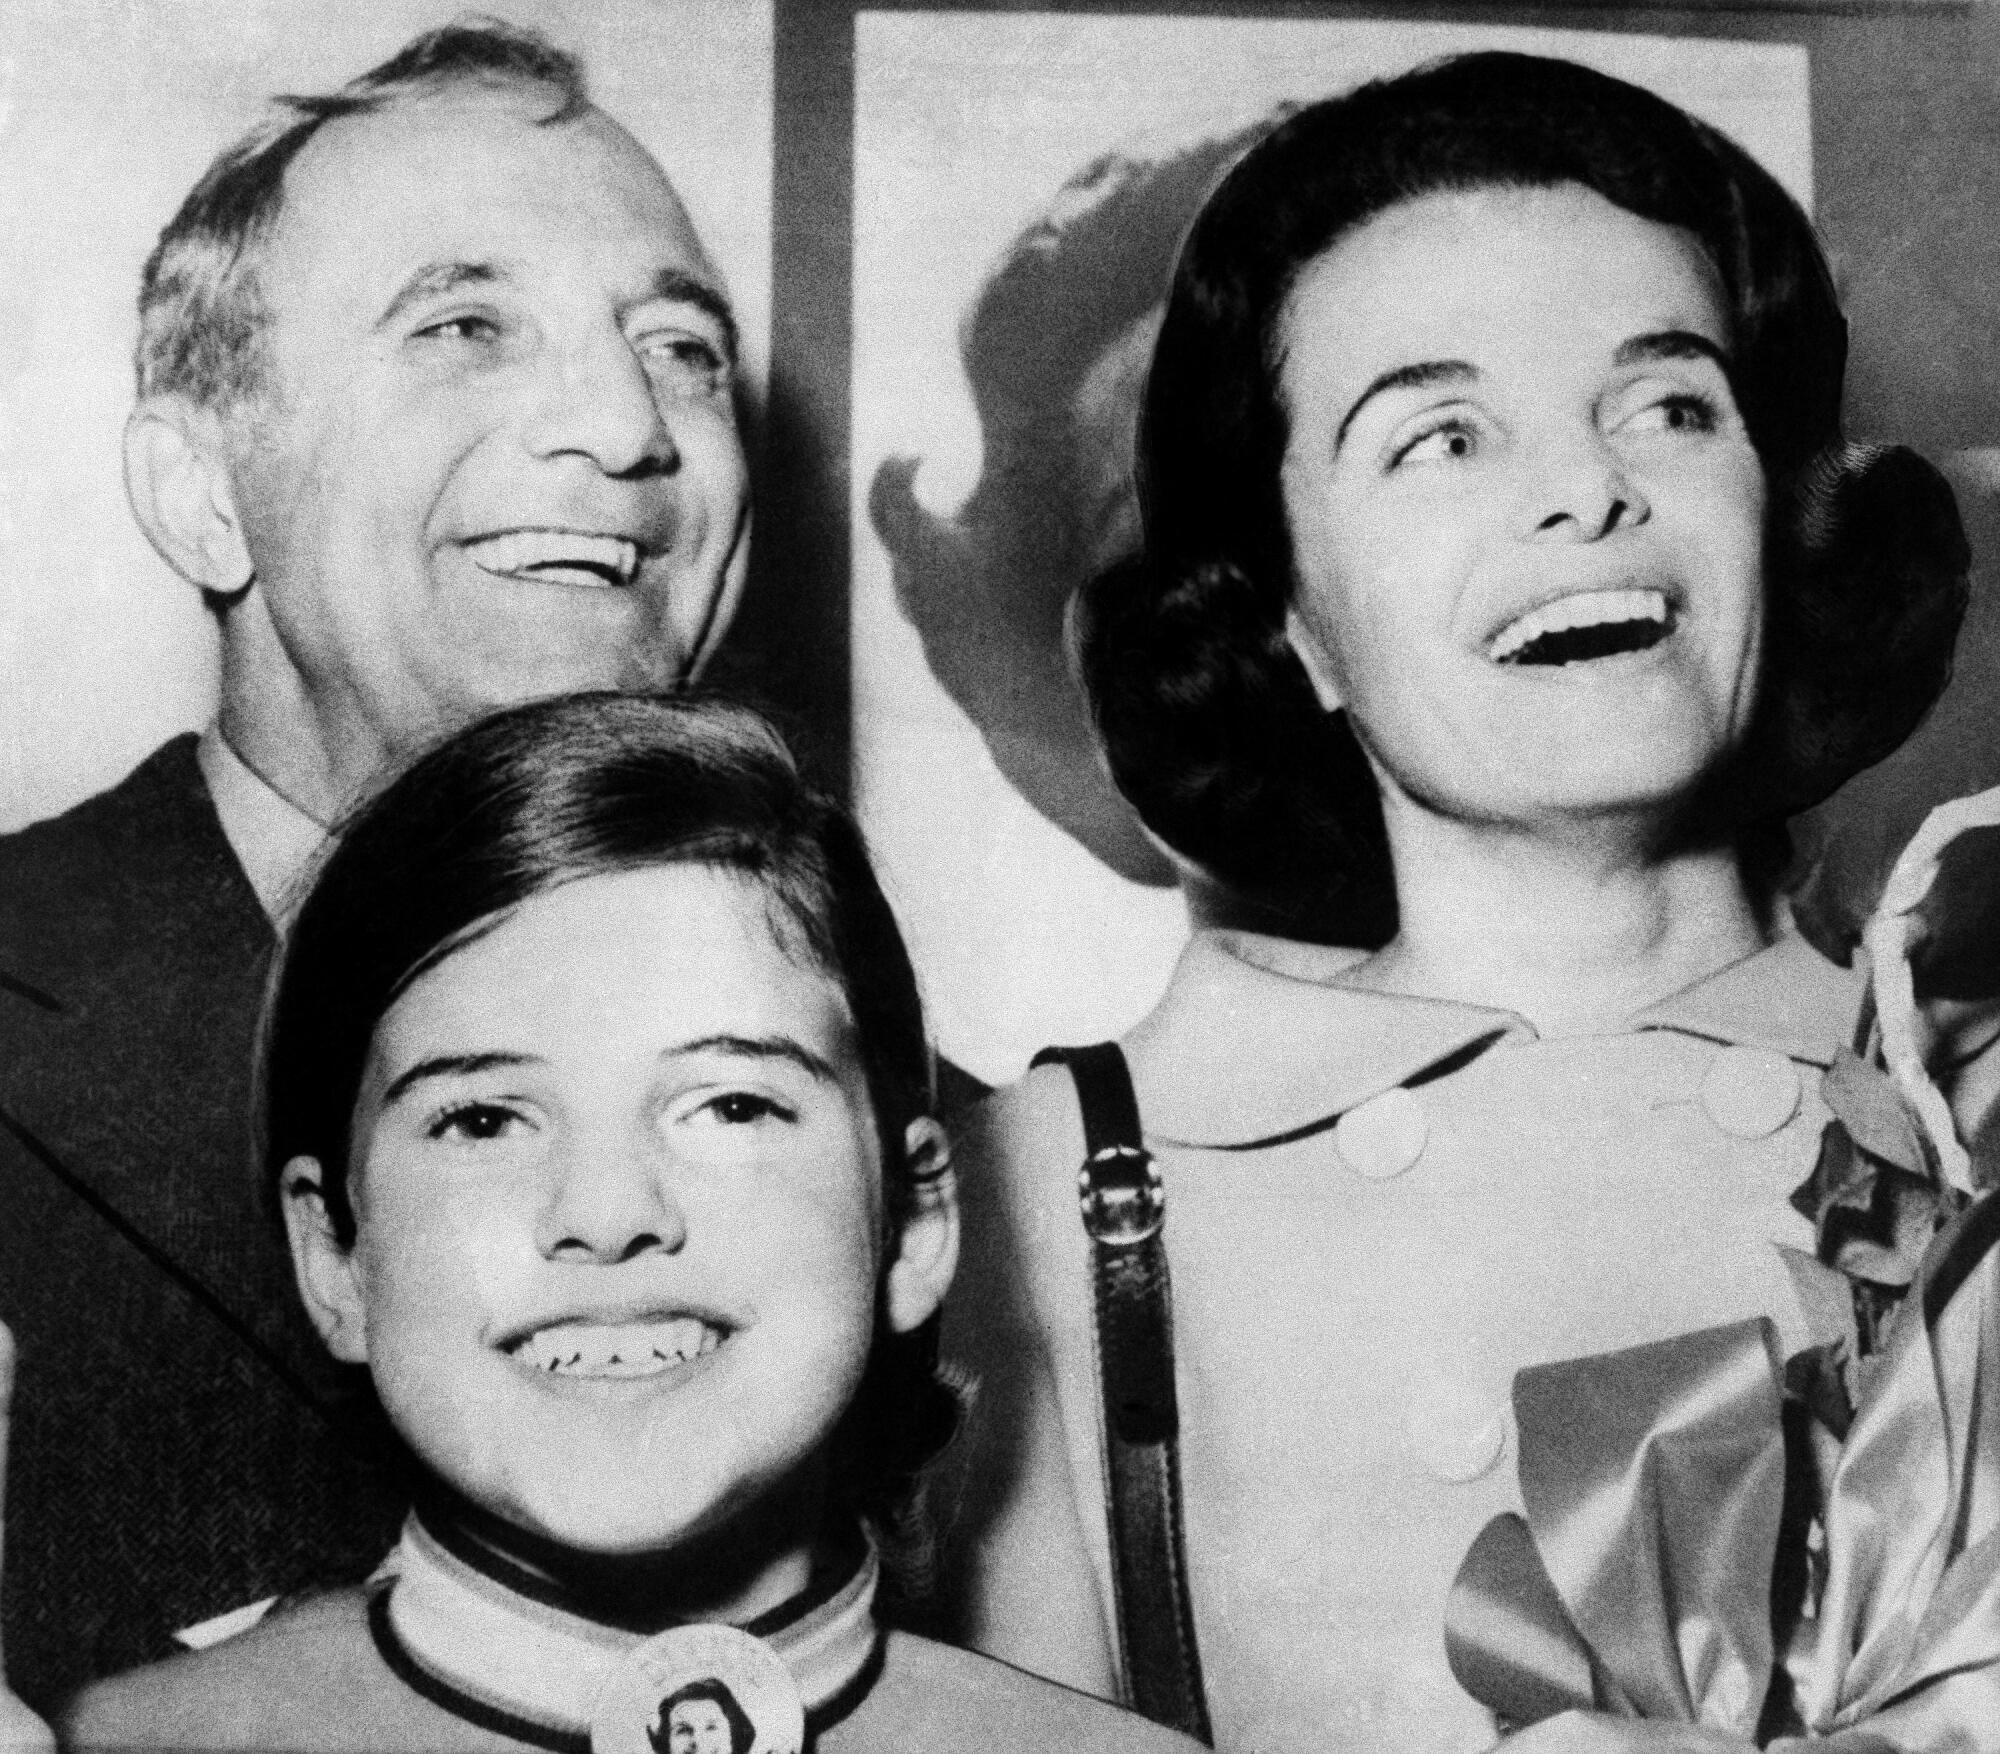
(178, 479)
(926, 1244)
(1311, 654)
(327, 1272)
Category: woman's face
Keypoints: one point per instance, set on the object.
(1526, 516)
(619, 1212)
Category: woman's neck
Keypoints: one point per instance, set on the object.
(1575, 932)
(735, 1574)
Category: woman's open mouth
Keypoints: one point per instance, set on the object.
(616, 1349)
(1591, 624)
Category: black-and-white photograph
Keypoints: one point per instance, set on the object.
(1110, 875)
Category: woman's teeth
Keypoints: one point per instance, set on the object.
(612, 1349)
(564, 557)
(1592, 624)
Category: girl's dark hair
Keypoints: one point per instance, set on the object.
(579, 787)
(1209, 724)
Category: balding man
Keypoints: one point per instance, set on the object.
(436, 407)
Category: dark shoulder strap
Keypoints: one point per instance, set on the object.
(1124, 1207)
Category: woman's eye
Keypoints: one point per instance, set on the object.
(474, 1122)
(1449, 442)
(1681, 412)
(686, 365)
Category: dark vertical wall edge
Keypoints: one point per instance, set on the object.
(792, 646)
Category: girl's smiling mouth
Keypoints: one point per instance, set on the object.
(1585, 625)
(613, 1349)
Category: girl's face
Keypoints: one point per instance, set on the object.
(1526, 515)
(619, 1214)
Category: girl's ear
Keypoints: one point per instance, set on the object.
(926, 1244)
(328, 1275)
(1312, 657)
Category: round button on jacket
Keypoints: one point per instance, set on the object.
(1383, 1136)
(1455, 1432)
(1750, 1092)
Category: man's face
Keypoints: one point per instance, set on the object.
(495, 456)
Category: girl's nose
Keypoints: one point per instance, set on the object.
(612, 1202)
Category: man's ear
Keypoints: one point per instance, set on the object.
(326, 1270)
(177, 478)
(1312, 655)
(926, 1246)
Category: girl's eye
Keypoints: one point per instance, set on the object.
(686, 365)
(474, 1122)
(1450, 441)
(742, 1108)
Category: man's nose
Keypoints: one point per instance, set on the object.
(1578, 488)
(596, 400)
(611, 1201)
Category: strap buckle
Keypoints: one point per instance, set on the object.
(1123, 1196)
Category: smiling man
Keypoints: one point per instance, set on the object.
(437, 408)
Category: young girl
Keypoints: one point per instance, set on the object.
(595, 1097)
(1505, 583)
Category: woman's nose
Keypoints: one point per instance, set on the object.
(1579, 490)
(612, 1201)
(596, 400)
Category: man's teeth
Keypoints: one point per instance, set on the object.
(565, 557)
(1618, 621)
(617, 1348)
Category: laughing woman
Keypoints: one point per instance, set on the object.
(1505, 575)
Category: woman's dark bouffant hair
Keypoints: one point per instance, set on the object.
(1209, 724)
(578, 787)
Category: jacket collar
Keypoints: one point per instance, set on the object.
(1255, 1040)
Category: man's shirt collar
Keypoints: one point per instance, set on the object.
(273, 839)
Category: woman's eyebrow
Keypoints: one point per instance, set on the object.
(1407, 377)
(448, 1066)
(761, 1047)
(1669, 344)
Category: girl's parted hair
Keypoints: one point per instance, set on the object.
(582, 786)
(1208, 722)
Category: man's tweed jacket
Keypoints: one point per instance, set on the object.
(180, 1446)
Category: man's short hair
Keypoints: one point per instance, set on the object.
(201, 313)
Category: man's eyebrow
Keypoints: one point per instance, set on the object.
(1669, 344)
(678, 286)
(448, 1066)
(1407, 377)
(762, 1047)
(438, 280)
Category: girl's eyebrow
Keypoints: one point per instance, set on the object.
(1407, 377)
(449, 1066)
(761, 1047)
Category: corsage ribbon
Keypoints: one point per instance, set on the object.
(1655, 1481)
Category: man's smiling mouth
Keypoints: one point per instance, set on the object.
(1591, 624)
(557, 557)
(616, 1349)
